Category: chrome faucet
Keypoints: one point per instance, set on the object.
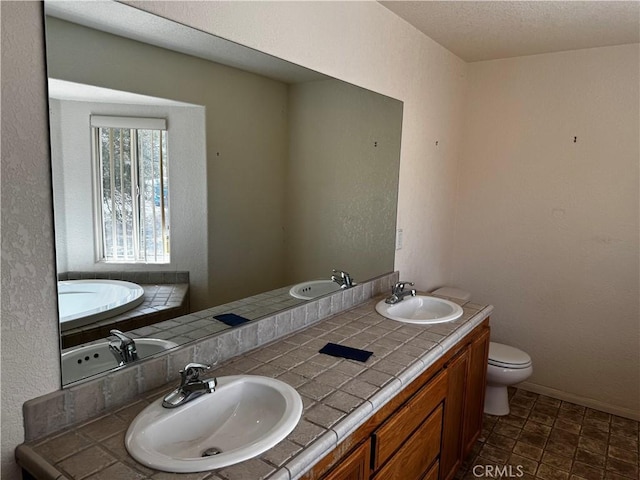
(191, 387)
(343, 279)
(124, 348)
(398, 292)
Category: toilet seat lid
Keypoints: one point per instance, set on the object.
(506, 356)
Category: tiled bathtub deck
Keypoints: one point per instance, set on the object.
(555, 440)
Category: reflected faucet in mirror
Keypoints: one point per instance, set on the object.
(123, 348)
(343, 279)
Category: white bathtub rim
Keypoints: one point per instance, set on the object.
(132, 296)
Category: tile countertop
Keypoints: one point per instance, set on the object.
(338, 396)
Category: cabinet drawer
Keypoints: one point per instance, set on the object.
(393, 434)
(417, 453)
(432, 474)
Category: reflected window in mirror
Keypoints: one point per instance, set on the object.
(132, 208)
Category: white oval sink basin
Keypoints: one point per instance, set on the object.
(420, 309)
(313, 289)
(245, 416)
(90, 360)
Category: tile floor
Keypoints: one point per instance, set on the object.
(551, 439)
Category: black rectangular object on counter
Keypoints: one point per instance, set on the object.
(231, 319)
(343, 351)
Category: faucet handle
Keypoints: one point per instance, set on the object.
(399, 287)
(120, 336)
(192, 371)
(347, 281)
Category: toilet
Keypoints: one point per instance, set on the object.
(506, 366)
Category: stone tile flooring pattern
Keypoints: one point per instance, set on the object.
(550, 439)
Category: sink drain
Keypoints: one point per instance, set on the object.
(210, 452)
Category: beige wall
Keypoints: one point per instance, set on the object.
(383, 54)
(342, 181)
(547, 228)
(246, 152)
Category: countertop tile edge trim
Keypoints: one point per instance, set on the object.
(381, 397)
(350, 423)
(39, 467)
(318, 449)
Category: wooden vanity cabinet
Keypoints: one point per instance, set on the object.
(418, 452)
(464, 404)
(405, 446)
(451, 454)
(396, 432)
(355, 466)
(478, 351)
(427, 430)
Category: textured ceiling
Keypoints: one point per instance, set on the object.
(488, 30)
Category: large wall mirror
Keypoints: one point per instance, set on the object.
(218, 179)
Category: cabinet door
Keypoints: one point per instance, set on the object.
(355, 466)
(475, 388)
(420, 451)
(395, 431)
(451, 453)
(432, 474)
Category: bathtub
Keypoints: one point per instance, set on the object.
(81, 302)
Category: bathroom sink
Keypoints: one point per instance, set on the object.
(245, 416)
(313, 289)
(89, 360)
(421, 309)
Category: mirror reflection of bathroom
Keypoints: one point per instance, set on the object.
(196, 190)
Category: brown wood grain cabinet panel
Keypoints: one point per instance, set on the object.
(451, 453)
(432, 474)
(415, 456)
(390, 436)
(474, 396)
(355, 466)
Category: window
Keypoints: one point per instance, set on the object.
(132, 218)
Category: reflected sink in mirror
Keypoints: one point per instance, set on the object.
(421, 309)
(245, 416)
(313, 289)
(90, 360)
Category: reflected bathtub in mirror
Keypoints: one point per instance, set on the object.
(82, 302)
(165, 296)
